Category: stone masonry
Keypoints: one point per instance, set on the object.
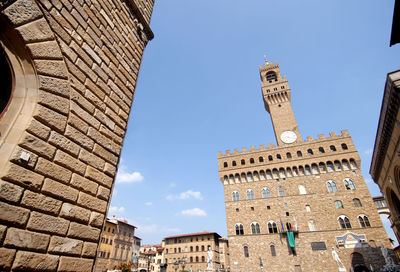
(74, 67)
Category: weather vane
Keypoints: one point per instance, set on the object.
(266, 61)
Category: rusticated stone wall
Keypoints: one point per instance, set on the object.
(75, 65)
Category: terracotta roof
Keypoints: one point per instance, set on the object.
(192, 234)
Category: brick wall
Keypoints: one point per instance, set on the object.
(75, 66)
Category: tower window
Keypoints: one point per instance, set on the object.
(225, 164)
(364, 222)
(281, 191)
(266, 193)
(344, 222)
(255, 228)
(275, 89)
(238, 229)
(288, 155)
(282, 87)
(272, 227)
(233, 163)
(338, 204)
(299, 154)
(261, 159)
(331, 186)
(251, 160)
(270, 158)
(333, 148)
(278, 157)
(321, 150)
(242, 162)
(246, 251)
(349, 184)
(344, 147)
(271, 76)
(273, 252)
(357, 202)
(310, 152)
(235, 196)
(250, 194)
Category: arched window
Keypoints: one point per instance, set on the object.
(338, 166)
(307, 170)
(312, 225)
(272, 227)
(331, 186)
(226, 180)
(281, 191)
(265, 193)
(344, 222)
(225, 164)
(233, 163)
(197, 259)
(321, 150)
(249, 176)
(269, 174)
(231, 179)
(308, 208)
(288, 155)
(235, 196)
(349, 184)
(191, 260)
(310, 152)
(299, 154)
(203, 259)
(332, 148)
(251, 160)
(202, 248)
(261, 159)
(271, 76)
(270, 158)
(329, 165)
(278, 157)
(250, 194)
(242, 162)
(301, 170)
(237, 178)
(246, 251)
(322, 167)
(275, 173)
(344, 147)
(256, 176)
(272, 248)
(243, 177)
(197, 248)
(353, 164)
(191, 249)
(295, 172)
(289, 172)
(262, 175)
(314, 169)
(302, 190)
(282, 173)
(7, 79)
(338, 204)
(364, 222)
(255, 228)
(345, 165)
(238, 229)
(357, 202)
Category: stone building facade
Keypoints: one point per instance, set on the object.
(315, 185)
(150, 258)
(117, 244)
(192, 249)
(385, 165)
(70, 70)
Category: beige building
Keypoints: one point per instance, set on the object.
(190, 251)
(150, 258)
(315, 185)
(385, 166)
(116, 246)
(69, 72)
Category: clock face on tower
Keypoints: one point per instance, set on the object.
(288, 137)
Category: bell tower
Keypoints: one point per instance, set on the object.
(276, 94)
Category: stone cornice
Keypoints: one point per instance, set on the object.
(138, 14)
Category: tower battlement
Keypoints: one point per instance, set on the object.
(272, 147)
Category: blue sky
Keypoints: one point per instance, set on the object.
(199, 93)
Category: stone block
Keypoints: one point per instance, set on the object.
(92, 202)
(22, 12)
(81, 101)
(37, 146)
(38, 129)
(69, 162)
(96, 219)
(75, 213)
(107, 155)
(29, 261)
(60, 190)
(36, 31)
(13, 215)
(2, 232)
(41, 202)
(10, 192)
(78, 137)
(50, 118)
(84, 184)
(19, 153)
(52, 170)
(83, 232)
(57, 103)
(91, 159)
(24, 239)
(6, 258)
(103, 193)
(55, 85)
(23, 176)
(70, 264)
(89, 250)
(99, 177)
(65, 246)
(79, 124)
(55, 68)
(64, 143)
(48, 50)
(47, 224)
(110, 169)
(84, 115)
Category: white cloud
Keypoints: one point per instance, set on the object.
(193, 212)
(148, 203)
(124, 176)
(186, 195)
(172, 184)
(115, 209)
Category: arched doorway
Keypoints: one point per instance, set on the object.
(358, 263)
